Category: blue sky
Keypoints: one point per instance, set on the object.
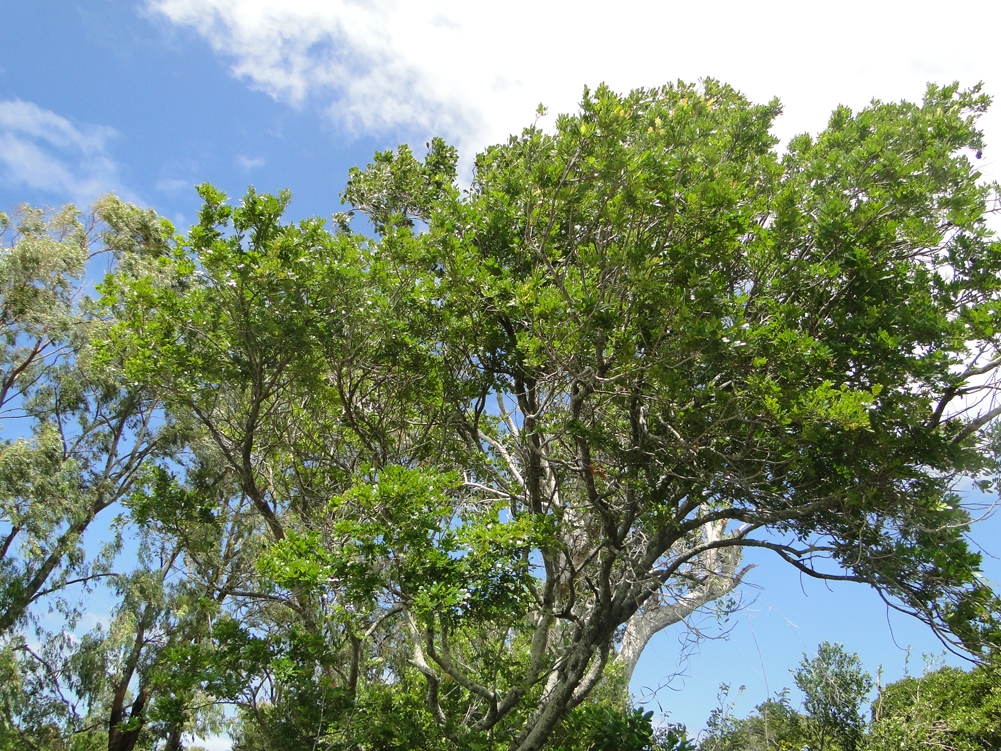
(149, 97)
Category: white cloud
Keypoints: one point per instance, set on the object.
(174, 185)
(214, 743)
(247, 164)
(44, 151)
(475, 71)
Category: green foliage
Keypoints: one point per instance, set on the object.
(608, 722)
(947, 708)
(396, 189)
(438, 488)
(387, 719)
(78, 438)
(442, 566)
(600, 727)
(834, 686)
(82, 435)
(775, 724)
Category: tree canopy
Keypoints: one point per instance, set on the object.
(455, 475)
(945, 708)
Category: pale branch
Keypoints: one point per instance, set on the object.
(443, 659)
(419, 661)
(382, 619)
(973, 371)
(506, 415)
(508, 460)
(647, 622)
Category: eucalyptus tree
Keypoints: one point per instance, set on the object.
(529, 424)
(76, 436)
(77, 443)
(138, 678)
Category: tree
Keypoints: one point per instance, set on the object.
(499, 446)
(775, 724)
(79, 441)
(76, 436)
(948, 708)
(834, 686)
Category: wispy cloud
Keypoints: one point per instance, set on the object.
(173, 185)
(44, 151)
(247, 164)
(474, 72)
